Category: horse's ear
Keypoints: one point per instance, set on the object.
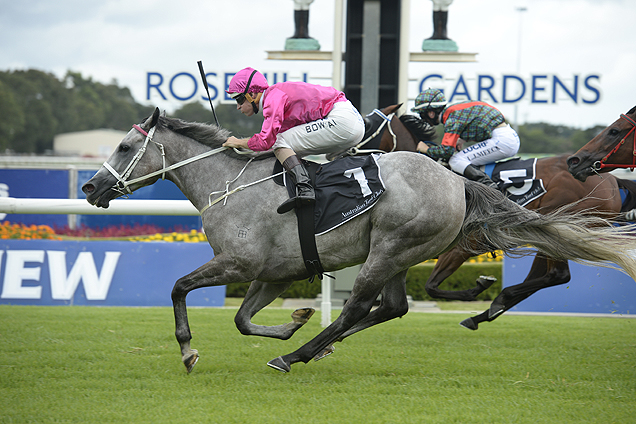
(155, 118)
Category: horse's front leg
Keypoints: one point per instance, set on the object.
(219, 271)
(259, 295)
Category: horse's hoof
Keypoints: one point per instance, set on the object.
(302, 315)
(470, 324)
(279, 364)
(328, 351)
(191, 360)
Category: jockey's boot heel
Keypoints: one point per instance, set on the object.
(305, 194)
(475, 174)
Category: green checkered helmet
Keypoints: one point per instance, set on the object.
(431, 98)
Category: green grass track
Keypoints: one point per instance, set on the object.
(122, 365)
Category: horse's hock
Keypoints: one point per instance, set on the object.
(341, 287)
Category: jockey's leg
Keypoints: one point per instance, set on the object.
(305, 194)
(503, 144)
(476, 174)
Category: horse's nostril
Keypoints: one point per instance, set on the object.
(88, 188)
(573, 161)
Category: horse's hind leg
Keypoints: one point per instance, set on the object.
(446, 265)
(394, 304)
(366, 289)
(259, 295)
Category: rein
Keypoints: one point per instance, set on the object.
(124, 184)
(598, 165)
(355, 150)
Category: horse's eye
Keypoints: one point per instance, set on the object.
(613, 131)
(124, 148)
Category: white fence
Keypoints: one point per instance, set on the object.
(11, 205)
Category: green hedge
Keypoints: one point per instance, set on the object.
(463, 279)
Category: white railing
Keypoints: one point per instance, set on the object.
(12, 205)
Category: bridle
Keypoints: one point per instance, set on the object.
(123, 183)
(386, 121)
(598, 165)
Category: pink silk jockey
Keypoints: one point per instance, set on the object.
(289, 104)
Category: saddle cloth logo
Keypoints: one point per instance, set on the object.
(517, 179)
(345, 188)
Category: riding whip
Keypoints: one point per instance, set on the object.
(205, 84)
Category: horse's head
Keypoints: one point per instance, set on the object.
(614, 147)
(136, 155)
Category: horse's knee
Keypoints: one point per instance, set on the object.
(242, 324)
(178, 290)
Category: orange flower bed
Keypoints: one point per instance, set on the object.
(10, 230)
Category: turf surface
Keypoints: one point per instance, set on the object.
(122, 365)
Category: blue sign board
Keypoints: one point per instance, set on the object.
(35, 184)
(49, 272)
(590, 290)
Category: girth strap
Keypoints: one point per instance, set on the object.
(306, 233)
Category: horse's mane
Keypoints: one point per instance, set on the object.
(209, 135)
(631, 110)
(420, 129)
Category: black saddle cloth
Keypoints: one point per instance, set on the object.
(517, 179)
(345, 188)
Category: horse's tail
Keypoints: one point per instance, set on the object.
(492, 222)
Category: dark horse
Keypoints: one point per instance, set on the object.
(385, 134)
(424, 211)
(598, 195)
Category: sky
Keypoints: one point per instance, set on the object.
(139, 42)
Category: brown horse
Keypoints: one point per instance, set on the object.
(614, 147)
(599, 195)
(384, 133)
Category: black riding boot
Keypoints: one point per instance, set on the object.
(475, 174)
(304, 190)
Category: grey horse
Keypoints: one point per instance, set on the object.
(425, 210)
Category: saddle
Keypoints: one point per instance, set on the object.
(374, 125)
(345, 188)
(517, 179)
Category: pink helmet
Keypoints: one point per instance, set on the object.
(247, 80)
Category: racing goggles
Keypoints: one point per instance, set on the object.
(239, 97)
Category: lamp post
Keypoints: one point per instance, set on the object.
(520, 10)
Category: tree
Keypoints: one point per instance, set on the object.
(12, 121)
(553, 139)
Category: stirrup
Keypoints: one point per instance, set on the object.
(294, 202)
